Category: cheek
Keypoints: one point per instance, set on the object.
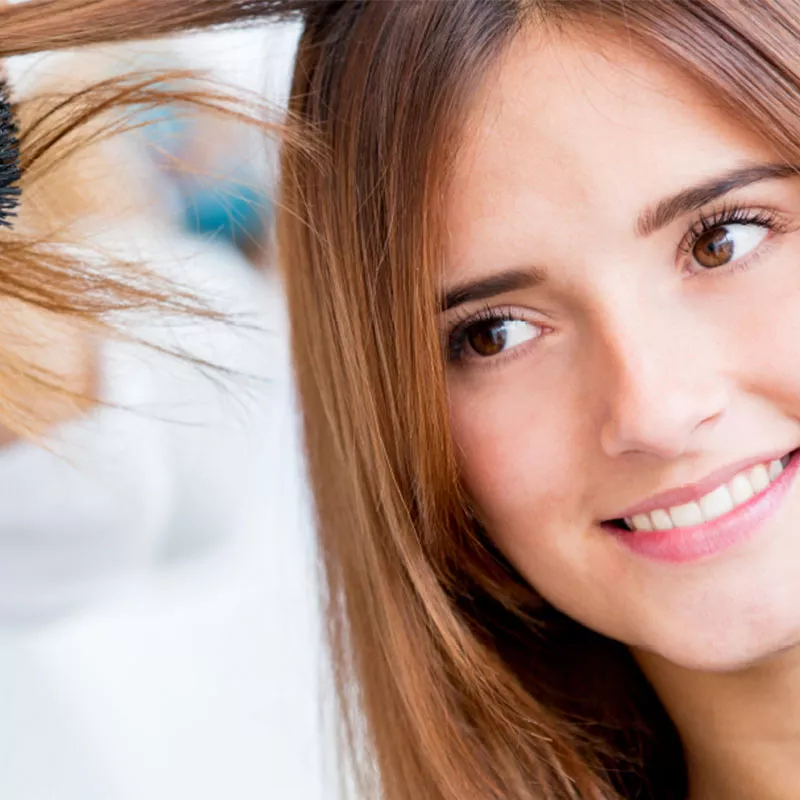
(763, 331)
(525, 455)
(519, 456)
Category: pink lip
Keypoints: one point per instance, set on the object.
(681, 545)
(693, 492)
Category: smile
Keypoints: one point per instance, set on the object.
(693, 522)
(720, 501)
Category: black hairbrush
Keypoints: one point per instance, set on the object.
(9, 159)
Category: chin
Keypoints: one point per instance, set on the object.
(733, 647)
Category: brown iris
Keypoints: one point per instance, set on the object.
(714, 248)
(488, 338)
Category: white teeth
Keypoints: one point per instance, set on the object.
(716, 503)
(725, 498)
(759, 478)
(641, 522)
(742, 489)
(775, 469)
(686, 515)
(661, 520)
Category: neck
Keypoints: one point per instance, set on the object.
(740, 730)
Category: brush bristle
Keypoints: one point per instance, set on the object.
(9, 160)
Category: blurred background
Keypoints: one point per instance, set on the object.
(160, 635)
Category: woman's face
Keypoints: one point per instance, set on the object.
(624, 342)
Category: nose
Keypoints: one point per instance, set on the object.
(662, 390)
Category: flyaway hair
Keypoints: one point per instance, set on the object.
(40, 25)
(44, 263)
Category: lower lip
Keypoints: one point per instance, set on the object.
(683, 545)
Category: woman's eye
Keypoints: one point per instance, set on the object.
(725, 243)
(491, 337)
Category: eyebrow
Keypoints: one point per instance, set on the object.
(669, 209)
(511, 280)
(650, 221)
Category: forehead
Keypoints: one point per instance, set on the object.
(583, 130)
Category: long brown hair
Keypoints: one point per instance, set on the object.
(456, 681)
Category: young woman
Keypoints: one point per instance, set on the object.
(541, 268)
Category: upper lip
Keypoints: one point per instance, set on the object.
(691, 492)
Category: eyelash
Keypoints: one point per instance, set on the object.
(708, 221)
(460, 328)
(730, 215)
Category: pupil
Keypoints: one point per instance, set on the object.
(714, 248)
(488, 338)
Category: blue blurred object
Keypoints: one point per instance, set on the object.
(217, 195)
(227, 209)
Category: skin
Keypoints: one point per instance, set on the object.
(649, 374)
(61, 352)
